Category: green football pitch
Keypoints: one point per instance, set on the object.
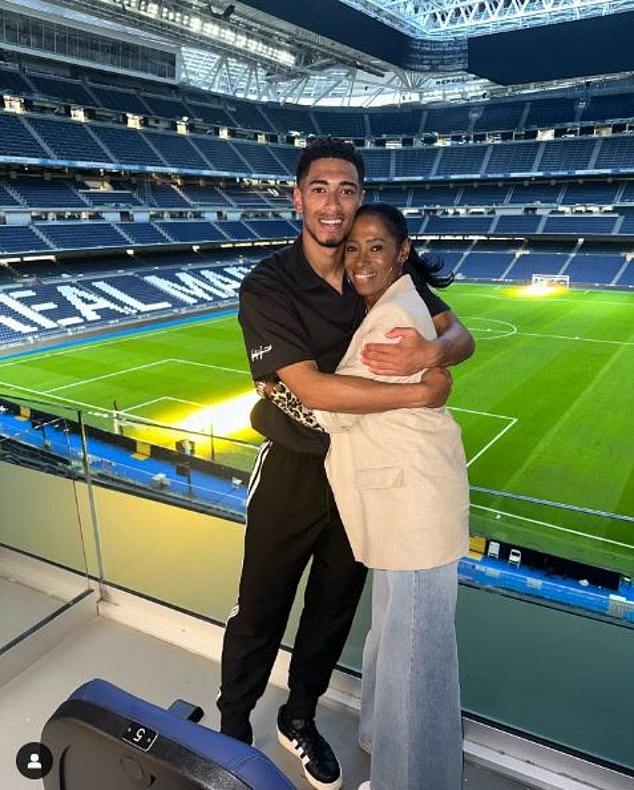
(546, 407)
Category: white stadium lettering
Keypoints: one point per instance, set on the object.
(13, 302)
(130, 301)
(88, 304)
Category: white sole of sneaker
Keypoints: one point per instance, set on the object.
(288, 745)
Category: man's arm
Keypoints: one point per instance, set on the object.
(356, 395)
(413, 353)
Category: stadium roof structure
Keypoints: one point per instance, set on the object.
(364, 52)
(449, 19)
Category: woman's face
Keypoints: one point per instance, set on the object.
(373, 257)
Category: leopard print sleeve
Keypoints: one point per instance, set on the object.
(288, 402)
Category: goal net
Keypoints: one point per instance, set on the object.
(551, 280)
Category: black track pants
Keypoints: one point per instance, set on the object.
(291, 517)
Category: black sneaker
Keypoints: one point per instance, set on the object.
(300, 737)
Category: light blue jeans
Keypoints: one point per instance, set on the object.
(410, 703)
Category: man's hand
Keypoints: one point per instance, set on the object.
(436, 387)
(411, 354)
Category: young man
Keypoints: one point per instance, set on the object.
(298, 313)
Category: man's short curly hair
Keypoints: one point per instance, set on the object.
(329, 148)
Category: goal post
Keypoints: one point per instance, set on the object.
(551, 280)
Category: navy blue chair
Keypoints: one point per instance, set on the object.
(103, 738)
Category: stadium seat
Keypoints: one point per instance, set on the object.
(106, 739)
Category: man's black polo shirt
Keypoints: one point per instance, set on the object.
(289, 314)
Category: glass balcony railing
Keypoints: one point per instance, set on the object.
(159, 511)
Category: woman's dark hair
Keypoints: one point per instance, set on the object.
(419, 266)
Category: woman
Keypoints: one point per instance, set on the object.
(399, 480)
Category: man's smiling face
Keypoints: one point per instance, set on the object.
(328, 197)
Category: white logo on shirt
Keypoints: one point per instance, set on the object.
(258, 353)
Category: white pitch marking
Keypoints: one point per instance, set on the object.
(493, 441)
(531, 299)
(89, 346)
(585, 339)
(207, 365)
(554, 526)
(40, 394)
(165, 397)
(512, 331)
(484, 413)
(142, 367)
(516, 331)
(105, 376)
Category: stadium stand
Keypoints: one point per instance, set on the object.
(349, 125)
(222, 156)
(17, 142)
(16, 239)
(594, 269)
(486, 265)
(163, 107)
(616, 154)
(579, 225)
(14, 82)
(261, 159)
(590, 193)
(109, 197)
(128, 146)
(248, 115)
(7, 199)
(209, 113)
(509, 158)
(122, 100)
(518, 223)
(54, 193)
(377, 164)
(396, 196)
(165, 196)
(550, 112)
(505, 116)
(483, 195)
(458, 225)
(461, 161)
(59, 88)
(619, 106)
(143, 210)
(205, 195)
(68, 140)
(550, 261)
(235, 230)
(289, 119)
(271, 229)
(420, 162)
(80, 235)
(405, 123)
(191, 231)
(143, 233)
(177, 150)
(447, 120)
(430, 196)
(535, 194)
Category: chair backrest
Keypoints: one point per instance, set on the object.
(106, 739)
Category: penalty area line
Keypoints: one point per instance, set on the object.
(553, 526)
(488, 445)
